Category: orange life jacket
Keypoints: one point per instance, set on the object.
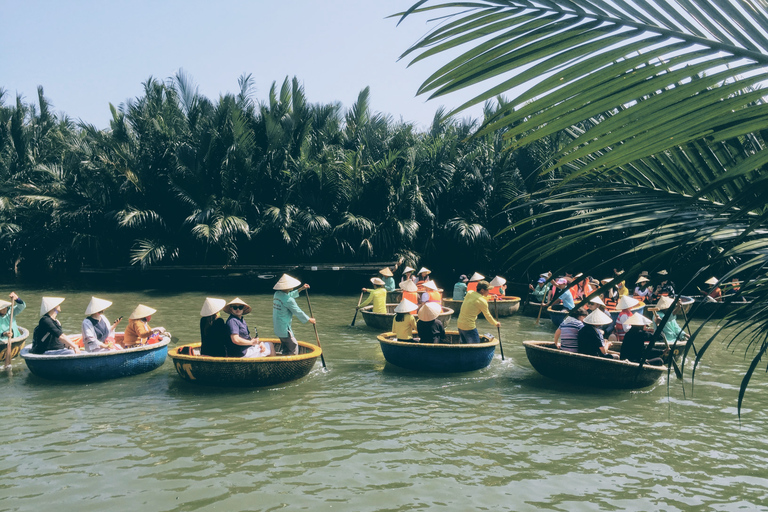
(472, 286)
(411, 296)
(435, 296)
(497, 291)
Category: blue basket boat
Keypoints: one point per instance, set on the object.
(93, 366)
(439, 357)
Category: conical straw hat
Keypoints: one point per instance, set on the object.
(430, 311)
(4, 304)
(385, 272)
(637, 319)
(408, 286)
(49, 303)
(627, 302)
(606, 280)
(377, 281)
(431, 285)
(642, 279)
(477, 277)
(425, 270)
(408, 270)
(238, 300)
(597, 300)
(662, 272)
(286, 283)
(212, 306)
(498, 281)
(406, 306)
(597, 317)
(711, 281)
(664, 303)
(142, 311)
(96, 305)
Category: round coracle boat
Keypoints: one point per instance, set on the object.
(557, 316)
(589, 370)
(242, 371)
(395, 296)
(507, 306)
(383, 321)
(93, 366)
(449, 357)
(683, 306)
(17, 344)
(703, 307)
(532, 309)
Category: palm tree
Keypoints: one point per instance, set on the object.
(661, 104)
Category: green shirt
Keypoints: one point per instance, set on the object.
(283, 308)
(379, 298)
(474, 304)
(5, 321)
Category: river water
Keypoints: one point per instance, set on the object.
(366, 436)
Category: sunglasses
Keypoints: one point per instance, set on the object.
(238, 307)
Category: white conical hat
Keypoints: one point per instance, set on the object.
(430, 311)
(597, 317)
(406, 306)
(606, 280)
(96, 305)
(642, 279)
(142, 311)
(408, 286)
(637, 319)
(477, 277)
(498, 281)
(664, 303)
(4, 304)
(711, 281)
(425, 270)
(431, 285)
(377, 281)
(212, 306)
(627, 302)
(385, 272)
(597, 300)
(237, 300)
(662, 272)
(286, 283)
(408, 269)
(49, 303)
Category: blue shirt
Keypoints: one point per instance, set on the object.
(567, 299)
(237, 326)
(283, 308)
(389, 283)
(459, 290)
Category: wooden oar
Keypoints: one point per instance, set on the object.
(678, 372)
(498, 327)
(359, 301)
(10, 337)
(539, 317)
(687, 326)
(317, 336)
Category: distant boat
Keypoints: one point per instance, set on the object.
(683, 306)
(438, 357)
(589, 370)
(507, 305)
(17, 344)
(383, 321)
(242, 371)
(704, 308)
(532, 309)
(558, 315)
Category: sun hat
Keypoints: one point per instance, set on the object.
(477, 277)
(212, 306)
(408, 286)
(463, 278)
(408, 270)
(286, 282)
(385, 272)
(96, 305)
(664, 303)
(578, 275)
(498, 281)
(637, 319)
(430, 311)
(377, 281)
(597, 300)
(711, 281)
(627, 302)
(142, 311)
(642, 279)
(49, 303)
(644, 273)
(662, 272)
(597, 317)
(606, 280)
(4, 304)
(237, 301)
(542, 279)
(431, 285)
(545, 274)
(425, 270)
(561, 281)
(406, 306)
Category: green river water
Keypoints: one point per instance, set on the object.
(366, 436)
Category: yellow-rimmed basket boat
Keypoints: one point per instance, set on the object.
(383, 321)
(507, 306)
(450, 357)
(589, 370)
(241, 371)
(17, 343)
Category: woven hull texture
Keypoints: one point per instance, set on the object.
(17, 344)
(438, 358)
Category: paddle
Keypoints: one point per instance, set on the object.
(10, 337)
(678, 372)
(541, 306)
(498, 327)
(317, 336)
(359, 301)
(687, 326)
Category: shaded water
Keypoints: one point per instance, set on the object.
(367, 436)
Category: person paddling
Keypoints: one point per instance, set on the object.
(378, 296)
(6, 329)
(474, 303)
(284, 307)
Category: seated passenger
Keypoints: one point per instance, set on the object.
(637, 335)
(404, 324)
(240, 343)
(378, 296)
(138, 332)
(429, 327)
(716, 294)
(567, 334)
(98, 334)
(672, 331)
(590, 337)
(214, 333)
(48, 338)
(389, 280)
(431, 293)
(423, 276)
(6, 329)
(642, 291)
(626, 303)
(408, 275)
(498, 287)
(460, 288)
(410, 291)
(472, 285)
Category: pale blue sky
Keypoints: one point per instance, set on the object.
(88, 53)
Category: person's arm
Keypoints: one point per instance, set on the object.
(234, 335)
(296, 310)
(368, 300)
(487, 314)
(557, 338)
(19, 306)
(66, 341)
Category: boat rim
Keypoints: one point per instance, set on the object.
(541, 346)
(386, 338)
(25, 353)
(20, 337)
(507, 298)
(610, 310)
(314, 354)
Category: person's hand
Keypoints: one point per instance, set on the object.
(365, 289)
(13, 296)
(306, 286)
(256, 341)
(312, 321)
(498, 324)
(530, 286)
(77, 349)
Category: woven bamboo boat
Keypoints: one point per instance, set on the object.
(683, 306)
(395, 296)
(447, 357)
(244, 372)
(508, 306)
(590, 370)
(532, 308)
(17, 344)
(383, 321)
(93, 366)
(557, 316)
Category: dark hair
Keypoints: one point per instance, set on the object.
(577, 312)
(482, 285)
(400, 316)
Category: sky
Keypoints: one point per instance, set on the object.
(88, 54)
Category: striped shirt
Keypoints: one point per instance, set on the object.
(569, 333)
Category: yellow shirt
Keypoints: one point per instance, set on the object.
(379, 298)
(474, 304)
(404, 330)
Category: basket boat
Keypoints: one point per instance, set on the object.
(590, 370)
(532, 308)
(702, 308)
(93, 366)
(683, 306)
(17, 343)
(383, 321)
(508, 306)
(243, 372)
(395, 296)
(557, 316)
(448, 357)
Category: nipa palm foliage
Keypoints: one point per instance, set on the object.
(664, 158)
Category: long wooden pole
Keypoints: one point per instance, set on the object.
(498, 327)
(539, 317)
(317, 336)
(10, 337)
(687, 326)
(359, 301)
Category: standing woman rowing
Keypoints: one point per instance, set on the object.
(283, 308)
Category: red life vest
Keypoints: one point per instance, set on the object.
(472, 286)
